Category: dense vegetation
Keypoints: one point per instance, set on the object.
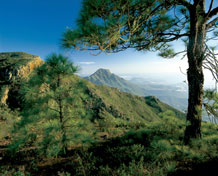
(55, 123)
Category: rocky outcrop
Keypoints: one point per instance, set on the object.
(10, 74)
(4, 94)
(14, 67)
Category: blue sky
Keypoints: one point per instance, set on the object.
(36, 26)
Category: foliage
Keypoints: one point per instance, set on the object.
(156, 149)
(4, 171)
(116, 25)
(111, 112)
(7, 119)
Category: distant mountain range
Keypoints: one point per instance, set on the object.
(174, 95)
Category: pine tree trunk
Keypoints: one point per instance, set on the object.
(194, 115)
(61, 117)
(195, 53)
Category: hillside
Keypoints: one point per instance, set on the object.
(166, 93)
(15, 66)
(110, 103)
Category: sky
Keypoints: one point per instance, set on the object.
(36, 27)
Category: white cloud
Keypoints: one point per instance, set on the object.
(86, 63)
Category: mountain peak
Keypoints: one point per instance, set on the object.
(103, 71)
(105, 77)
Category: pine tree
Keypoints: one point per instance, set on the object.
(116, 25)
(52, 110)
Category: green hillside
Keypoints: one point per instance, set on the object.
(114, 105)
(104, 102)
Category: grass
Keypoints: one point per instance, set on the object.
(155, 149)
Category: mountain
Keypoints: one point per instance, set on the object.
(170, 94)
(105, 77)
(15, 66)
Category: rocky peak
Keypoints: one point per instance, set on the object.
(102, 71)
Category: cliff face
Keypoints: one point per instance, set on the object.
(15, 66)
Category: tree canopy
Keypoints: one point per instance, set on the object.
(113, 26)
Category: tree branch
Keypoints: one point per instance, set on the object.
(213, 13)
(53, 109)
(176, 35)
(211, 23)
(211, 4)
